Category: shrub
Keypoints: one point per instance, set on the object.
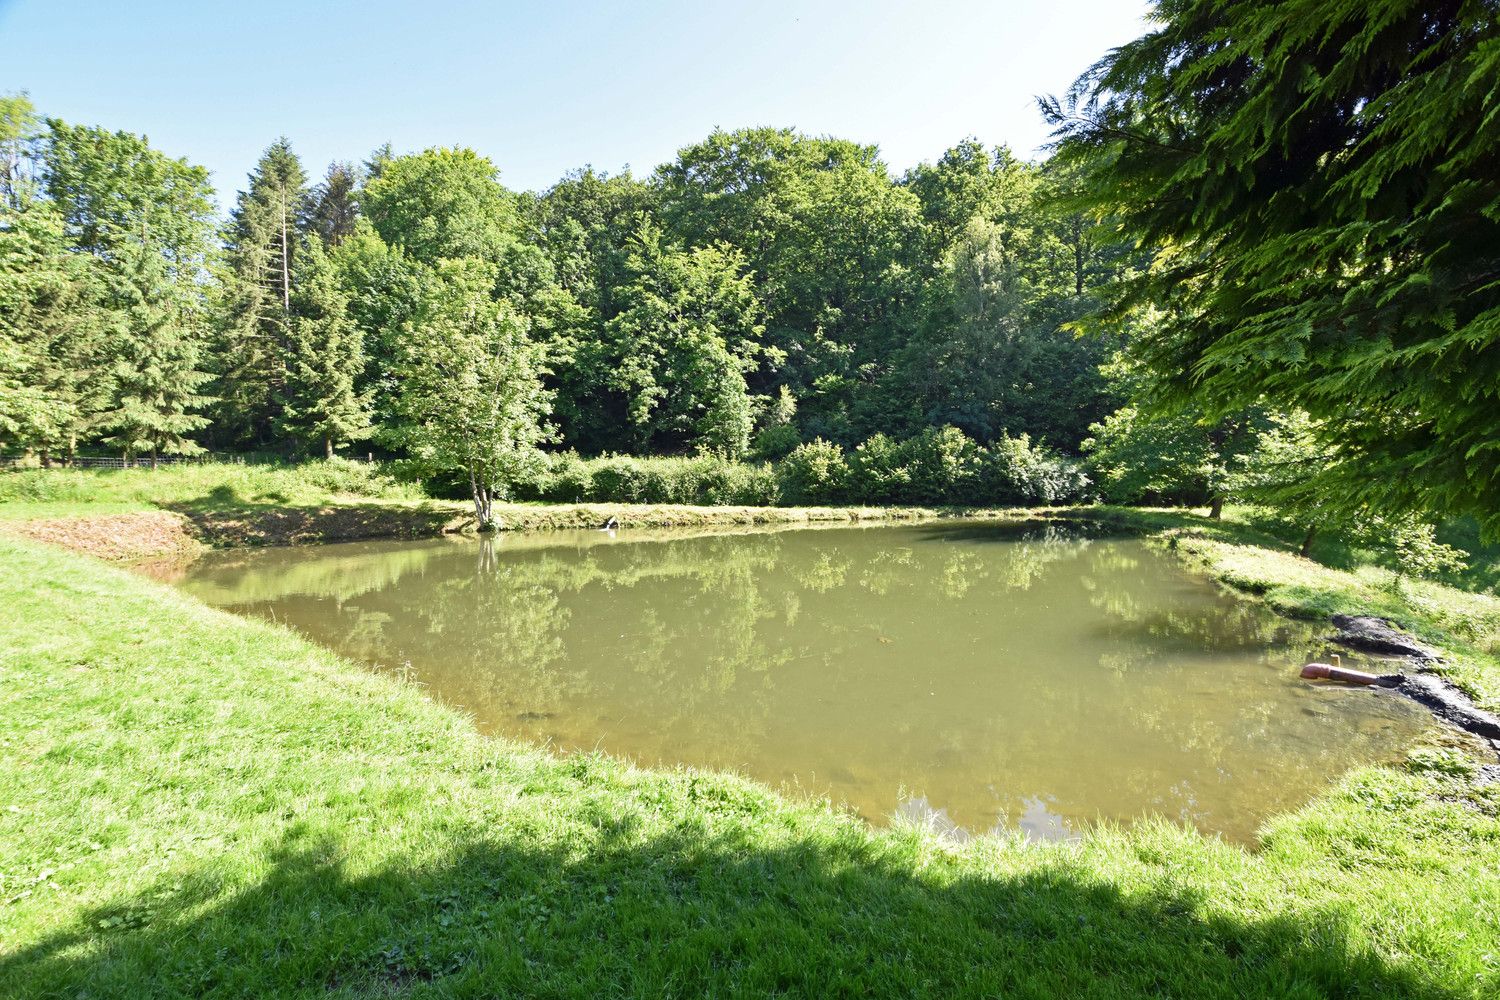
(702, 480)
(614, 479)
(878, 473)
(1018, 472)
(776, 442)
(814, 473)
(942, 466)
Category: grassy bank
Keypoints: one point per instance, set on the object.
(200, 805)
(139, 513)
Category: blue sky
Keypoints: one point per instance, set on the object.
(542, 88)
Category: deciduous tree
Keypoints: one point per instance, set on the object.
(470, 398)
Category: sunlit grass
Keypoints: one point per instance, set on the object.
(210, 485)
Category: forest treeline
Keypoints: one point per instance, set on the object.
(763, 289)
(1287, 281)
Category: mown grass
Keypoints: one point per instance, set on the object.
(215, 486)
(194, 804)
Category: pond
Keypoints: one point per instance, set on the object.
(970, 674)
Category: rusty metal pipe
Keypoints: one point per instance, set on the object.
(1329, 672)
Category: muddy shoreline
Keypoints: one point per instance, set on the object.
(1371, 634)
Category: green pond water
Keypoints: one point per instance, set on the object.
(966, 674)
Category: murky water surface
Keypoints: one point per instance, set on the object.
(959, 671)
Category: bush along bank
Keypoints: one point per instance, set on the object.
(936, 468)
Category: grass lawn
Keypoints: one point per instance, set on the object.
(195, 804)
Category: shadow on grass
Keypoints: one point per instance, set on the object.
(694, 913)
(223, 518)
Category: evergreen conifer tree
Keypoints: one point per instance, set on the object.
(320, 400)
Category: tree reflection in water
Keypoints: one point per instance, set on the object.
(960, 670)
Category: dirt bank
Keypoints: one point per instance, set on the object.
(113, 537)
(1373, 634)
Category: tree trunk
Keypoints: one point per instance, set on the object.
(328, 448)
(484, 502)
(1307, 540)
(153, 456)
(1216, 508)
(1077, 256)
(286, 277)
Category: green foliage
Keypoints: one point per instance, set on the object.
(586, 224)
(814, 473)
(104, 245)
(442, 203)
(1322, 191)
(1006, 275)
(941, 466)
(326, 359)
(829, 238)
(768, 292)
(469, 397)
(1418, 552)
(157, 360)
(53, 361)
(775, 442)
(1177, 454)
(262, 269)
(383, 290)
(335, 203)
(21, 149)
(112, 187)
(705, 479)
(685, 335)
(1016, 471)
(1135, 458)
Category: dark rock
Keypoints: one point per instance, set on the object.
(1377, 635)
(1450, 704)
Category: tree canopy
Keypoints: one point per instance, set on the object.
(1263, 265)
(1319, 184)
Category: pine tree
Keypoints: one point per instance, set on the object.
(52, 366)
(266, 228)
(156, 361)
(325, 359)
(1320, 184)
(49, 313)
(335, 206)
